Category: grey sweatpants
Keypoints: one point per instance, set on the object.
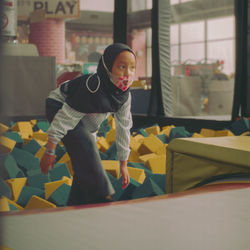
(90, 181)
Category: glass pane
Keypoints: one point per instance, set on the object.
(220, 28)
(172, 2)
(139, 45)
(192, 53)
(174, 54)
(140, 5)
(174, 34)
(107, 5)
(184, 1)
(192, 32)
(223, 51)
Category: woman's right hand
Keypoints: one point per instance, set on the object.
(47, 161)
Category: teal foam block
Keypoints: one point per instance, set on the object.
(60, 195)
(117, 185)
(60, 151)
(32, 147)
(111, 177)
(16, 137)
(60, 170)
(112, 152)
(127, 193)
(240, 126)
(143, 132)
(179, 132)
(103, 129)
(43, 125)
(148, 189)
(103, 155)
(38, 180)
(5, 189)
(9, 168)
(25, 159)
(27, 193)
(140, 165)
(12, 207)
(33, 172)
(163, 137)
(160, 180)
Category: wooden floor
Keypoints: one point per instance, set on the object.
(211, 217)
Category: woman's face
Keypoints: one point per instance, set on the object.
(124, 69)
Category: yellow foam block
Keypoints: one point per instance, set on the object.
(135, 143)
(150, 144)
(37, 202)
(112, 167)
(67, 180)
(111, 122)
(111, 135)
(24, 127)
(66, 159)
(50, 187)
(133, 156)
(16, 185)
(167, 129)
(137, 174)
(33, 122)
(245, 133)
(40, 135)
(157, 164)
(146, 157)
(207, 132)
(39, 154)
(162, 150)
(153, 130)
(15, 204)
(6, 144)
(225, 132)
(2, 247)
(4, 205)
(3, 128)
(197, 135)
(140, 138)
(104, 146)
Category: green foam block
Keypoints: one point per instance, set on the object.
(38, 180)
(5, 189)
(43, 125)
(140, 165)
(32, 147)
(60, 170)
(148, 189)
(60, 195)
(160, 180)
(27, 193)
(240, 126)
(60, 151)
(14, 136)
(124, 194)
(25, 159)
(9, 168)
(179, 132)
(143, 132)
(112, 152)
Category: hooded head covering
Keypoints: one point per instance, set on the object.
(96, 93)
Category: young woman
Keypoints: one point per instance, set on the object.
(75, 111)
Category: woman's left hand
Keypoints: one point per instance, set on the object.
(125, 174)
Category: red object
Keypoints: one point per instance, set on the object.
(65, 76)
(187, 71)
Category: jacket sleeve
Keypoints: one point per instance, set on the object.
(65, 120)
(123, 120)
